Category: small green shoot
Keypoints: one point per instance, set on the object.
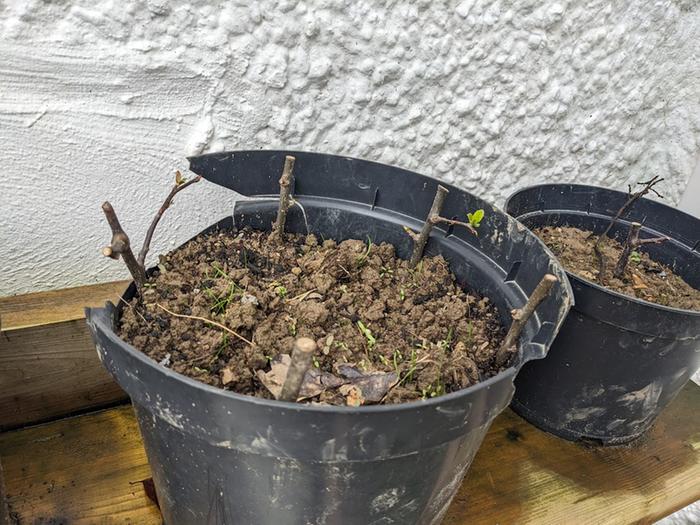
(281, 291)
(475, 218)
(219, 272)
(315, 361)
(293, 327)
(385, 271)
(221, 302)
(397, 357)
(222, 346)
(362, 259)
(432, 391)
(411, 368)
(402, 294)
(635, 257)
(446, 343)
(383, 360)
(371, 341)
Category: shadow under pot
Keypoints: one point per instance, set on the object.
(221, 457)
(618, 360)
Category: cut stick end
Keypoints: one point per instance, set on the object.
(305, 345)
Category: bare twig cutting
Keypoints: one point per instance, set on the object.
(302, 353)
(421, 239)
(648, 186)
(180, 184)
(205, 320)
(286, 182)
(121, 247)
(443, 220)
(631, 243)
(522, 315)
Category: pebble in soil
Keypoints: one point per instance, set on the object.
(385, 333)
(644, 278)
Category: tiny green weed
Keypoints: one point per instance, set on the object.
(362, 258)
(475, 218)
(371, 341)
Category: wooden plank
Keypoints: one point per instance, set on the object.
(24, 311)
(48, 364)
(520, 475)
(4, 511)
(67, 471)
(524, 475)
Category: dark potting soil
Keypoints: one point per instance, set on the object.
(644, 278)
(385, 333)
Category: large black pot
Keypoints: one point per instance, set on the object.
(220, 457)
(618, 360)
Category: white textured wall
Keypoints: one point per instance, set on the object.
(103, 99)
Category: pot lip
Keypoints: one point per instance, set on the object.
(595, 286)
(594, 187)
(641, 302)
(107, 331)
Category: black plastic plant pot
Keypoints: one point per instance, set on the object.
(618, 360)
(220, 457)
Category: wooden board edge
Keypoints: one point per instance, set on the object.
(25, 311)
(4, 509)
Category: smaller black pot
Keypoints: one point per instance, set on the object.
(618, 360)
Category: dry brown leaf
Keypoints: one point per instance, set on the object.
(353, 395)
(368, 388)
(373, 386)
(315, 382)
(638, 282)
(274, 379)
(226, 376)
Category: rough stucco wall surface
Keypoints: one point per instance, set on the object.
(103, 99)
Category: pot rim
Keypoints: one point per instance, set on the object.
(585, 282)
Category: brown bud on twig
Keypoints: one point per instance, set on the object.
(522, 315)
(302, 353)
(120, 246)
